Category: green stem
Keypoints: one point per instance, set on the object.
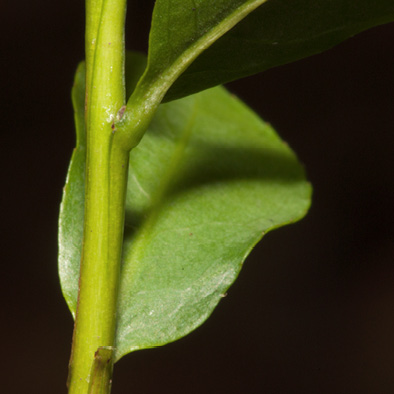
(101, 373)
(106, 183)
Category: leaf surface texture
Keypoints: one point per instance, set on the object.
(207, 181)
(275, 33)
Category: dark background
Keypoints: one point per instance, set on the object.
(312, 311)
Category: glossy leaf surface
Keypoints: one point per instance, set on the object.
(72, 206)
(277, 32)
(180, 31)
(208, 180)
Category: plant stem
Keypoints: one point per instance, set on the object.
(106, 183)
(101, 373)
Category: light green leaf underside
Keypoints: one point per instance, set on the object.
(277, 32)
(71, 209)
(208, 180)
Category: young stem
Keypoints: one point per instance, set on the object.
(106, 183)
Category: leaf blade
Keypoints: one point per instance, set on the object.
(178, 35)
(186, 233)
(279, 32)
(72, 205)
(208, 180)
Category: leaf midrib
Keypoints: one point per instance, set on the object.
(155, 86)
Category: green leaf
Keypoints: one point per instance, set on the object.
(198, 44)
(278, 32)
(71, 209)
(180, 31)
(208, 180)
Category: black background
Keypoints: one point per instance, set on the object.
(312, 311)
